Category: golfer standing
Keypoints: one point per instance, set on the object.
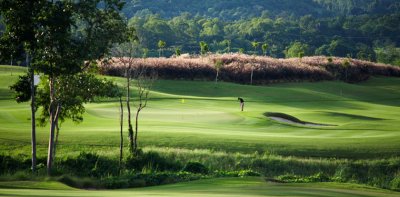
(241, 103)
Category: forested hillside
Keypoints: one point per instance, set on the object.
(242, 9)
(357, 7)
(372, 38)
(363, 29)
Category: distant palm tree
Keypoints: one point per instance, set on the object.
(161, 45)
(264, 48)
(203, 48)
(255, 46)
(177, 52)
(228, 45)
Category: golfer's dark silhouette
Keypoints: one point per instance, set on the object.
(241, 103)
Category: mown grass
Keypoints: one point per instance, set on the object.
(210, 187)
(366, 114)
(209, 127)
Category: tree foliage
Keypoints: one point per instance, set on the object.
(358, 36)
(64, 37)
(72, 91)
(229, 10)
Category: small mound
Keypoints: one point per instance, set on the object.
(285, 118)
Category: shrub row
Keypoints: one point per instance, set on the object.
(239, 68)
(153, 168)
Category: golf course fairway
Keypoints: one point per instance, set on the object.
(202, 120)
(212, 187)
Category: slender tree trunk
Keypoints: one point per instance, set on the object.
(54, 112)
(136, 127)
(56, 139)
(51, 136)
(121, 143)
(216, 77)
(130, 129)
(251, 76)
(33, 117)
(11, 63)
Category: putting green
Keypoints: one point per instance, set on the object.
(211, 187)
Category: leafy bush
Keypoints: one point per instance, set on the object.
(89, 170)
(244, 173)
(291, 178)
(151, 161)
(395, 183)
(8, 164)
(78, 182)
(143, 180)
(89, 165)
(195, 167)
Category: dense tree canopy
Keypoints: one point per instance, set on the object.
(365, 29)
(356, 36)
(229, 10)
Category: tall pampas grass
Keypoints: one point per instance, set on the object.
(239, 67)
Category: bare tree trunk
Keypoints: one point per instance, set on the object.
(251, 76)
(51, 137)
(130, 129)
(121, 144)
(136, 127)
(54, 112)
(216, 77)
(33, 117)
(56, 139)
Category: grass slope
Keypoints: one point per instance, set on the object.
(367, 114)
(210, 187)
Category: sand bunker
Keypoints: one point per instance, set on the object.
(285, 118)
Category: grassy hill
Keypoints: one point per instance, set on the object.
(365, 114)
(201, 121)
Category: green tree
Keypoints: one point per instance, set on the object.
(297, 49)
(388, 54)
(177, 52)
(255, 45)
(218, 64)
(227, 44)
(67, 34)
(340, 47)
(72, 91)
(20, 22)
(264, 48)
(203, 48)
(161, 45)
